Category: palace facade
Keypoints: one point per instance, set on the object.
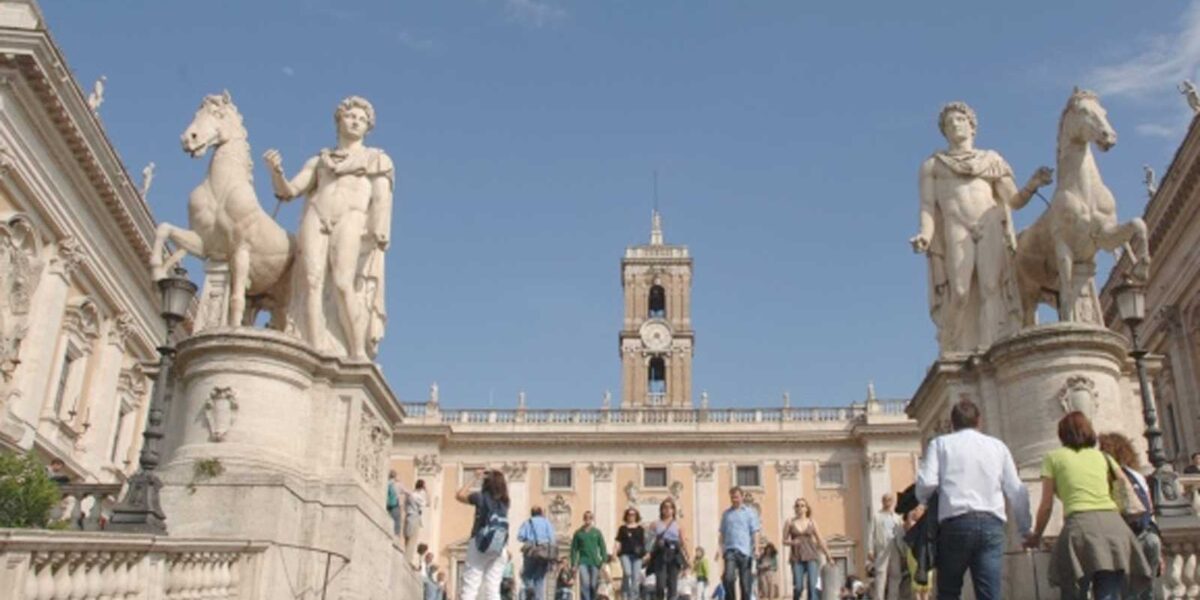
(657, 444)
(1172, 326)
(79, 319)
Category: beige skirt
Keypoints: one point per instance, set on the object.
(1098, 541)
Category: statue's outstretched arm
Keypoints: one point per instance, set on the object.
(1017, 199)
(300, 184)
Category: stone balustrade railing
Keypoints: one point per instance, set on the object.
(1181, 561)
(86, 506)
(423, 413)
(46, 565)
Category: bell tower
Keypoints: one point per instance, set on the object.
(656, 340)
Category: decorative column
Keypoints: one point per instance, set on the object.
(603, 502)
(1181, 349)
(518, 507)
(41, 339)
(879, 480)
(790, 488)
(100, 404)
(706, 518)
(429, 468)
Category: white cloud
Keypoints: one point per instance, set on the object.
(534, 13)
(1160, 131)
(1159, 66)
(414, 42)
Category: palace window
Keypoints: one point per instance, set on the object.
(654, 477)
(749, 476)
(119, 433)
(656, 377)
(830, 475)
(560, 478)
(468, 473)
(64, 380)
(658, 302)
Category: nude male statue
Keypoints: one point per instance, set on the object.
(349, 203)
(966, 229)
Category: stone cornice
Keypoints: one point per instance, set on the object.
(34, 55)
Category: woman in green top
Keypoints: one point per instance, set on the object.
(1095, 549)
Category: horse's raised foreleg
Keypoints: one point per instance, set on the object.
(1066, 289)
(1134, 236)
(188, 242)
(239, 277)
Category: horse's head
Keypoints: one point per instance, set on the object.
(1085, 120)
(217, 121)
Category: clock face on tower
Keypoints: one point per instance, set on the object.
(656, 335)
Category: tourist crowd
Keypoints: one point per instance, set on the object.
(950, 522)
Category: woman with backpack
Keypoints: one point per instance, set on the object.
(489, 535)
(667, 556)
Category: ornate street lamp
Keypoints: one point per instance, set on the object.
(139, 511)
(1164, 485)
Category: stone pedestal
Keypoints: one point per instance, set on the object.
(1023, 385)
(272, 441)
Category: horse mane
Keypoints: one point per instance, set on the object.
(1072, 103)
(222, 106)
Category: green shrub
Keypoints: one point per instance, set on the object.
(26, 493)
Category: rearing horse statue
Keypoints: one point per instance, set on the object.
(226, 222)
(1056, 256)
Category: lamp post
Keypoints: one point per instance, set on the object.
(1164, 487)
(139, 511)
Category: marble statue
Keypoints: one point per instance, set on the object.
(147, 178)
(1149, 179)
(1188, 89)
(1056, 256)
(344, 231)
(966, 232)
(96, 98)
(226, 222)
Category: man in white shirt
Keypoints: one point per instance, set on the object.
(884, 555)
(973, 475)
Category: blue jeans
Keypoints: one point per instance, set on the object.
(977, 540)
(396, 523)
(533, 579)
(806, 571)
(737, 576)
(631, 576)
(589, 580)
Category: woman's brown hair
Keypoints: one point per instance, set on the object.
(1120, 448)
(1075, 431)
(496, 486)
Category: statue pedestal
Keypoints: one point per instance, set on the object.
(274, 442)
(1023, 385)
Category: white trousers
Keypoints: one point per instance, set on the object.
(887, 573)
(481, 569)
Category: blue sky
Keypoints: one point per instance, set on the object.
(786, 136)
